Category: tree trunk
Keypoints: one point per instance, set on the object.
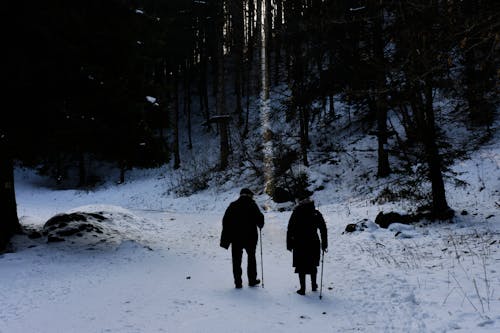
(384, 168)
(381, 104)
(258, 38)
(331, 110)
(300, 100)
(440, 206)
(238, 41)
(82, 170)
(123, 168)
(9, 223)
(250, 26)
(175, 120)
(202, 84)
(424, 119)
(278, 20)
(268, 22)
(422, 48)
(187, 100)
(221, 107)
(304, 133)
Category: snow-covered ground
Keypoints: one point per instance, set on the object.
(165, 271)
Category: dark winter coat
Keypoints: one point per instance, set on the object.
(302, 237)
(240, 222)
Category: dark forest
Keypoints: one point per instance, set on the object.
(111, 80)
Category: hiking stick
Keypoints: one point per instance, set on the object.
(261, 258)
(321, 280)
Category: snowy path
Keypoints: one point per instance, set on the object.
(178, 279)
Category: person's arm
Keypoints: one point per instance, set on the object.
(259, 217)
(225, 237)
(322, 231)
(290, 232)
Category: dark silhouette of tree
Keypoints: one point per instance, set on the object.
(425, 52)
(9, 224)
(221, 94)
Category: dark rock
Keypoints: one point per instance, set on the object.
(359, 226)
(98, 216)
(34, 235)
(54, 239)
(464, 212)
(62, 220)
(351, 227)
(68, 232)
(61, 226)
(384, 220)
(83, 226)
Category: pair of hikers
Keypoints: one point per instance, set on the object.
(239, 229)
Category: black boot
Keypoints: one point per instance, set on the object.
(254, 283)
(302, 280)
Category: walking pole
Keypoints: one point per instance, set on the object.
(321, 281)
(261, 258)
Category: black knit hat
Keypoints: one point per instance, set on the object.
(304, 194)
(246, 191)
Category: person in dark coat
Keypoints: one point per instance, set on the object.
(239, 229)
(302, 239)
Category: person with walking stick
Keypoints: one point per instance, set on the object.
(239, 229)
(302, 239)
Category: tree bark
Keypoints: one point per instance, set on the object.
(439, 204)
(82, 170)
(175, 120)
(187, 100)
(238, 41)
(220, 97)
(9, 223)
(423, 46)
(278, 26)
(304, 133)
(381, 104)
(424, 114)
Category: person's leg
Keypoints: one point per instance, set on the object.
(302, 281)
(252, 266)
(237, 253)
(314, 284)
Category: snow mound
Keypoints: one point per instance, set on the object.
(93, 225)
